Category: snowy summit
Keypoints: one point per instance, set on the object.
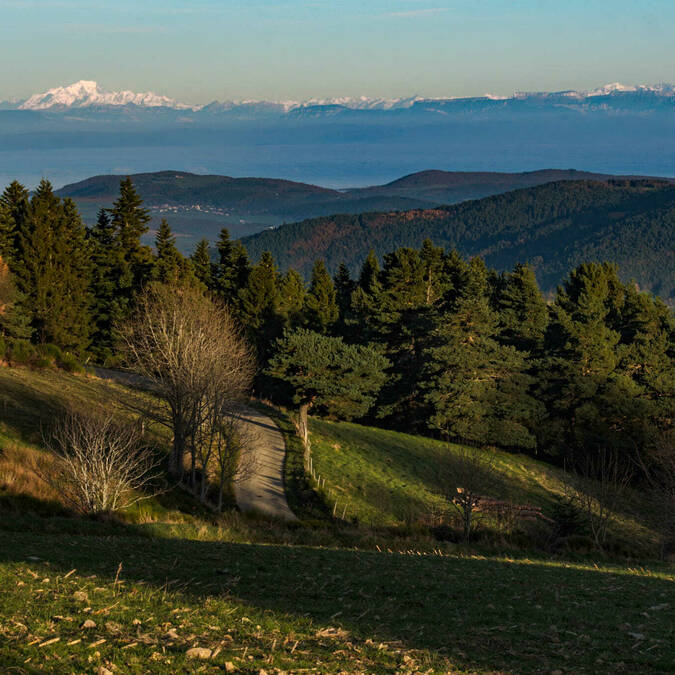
(87, 93)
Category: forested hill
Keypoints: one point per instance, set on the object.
(554, 227)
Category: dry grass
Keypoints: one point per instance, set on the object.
(18, 477)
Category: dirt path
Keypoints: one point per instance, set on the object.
(260, 488)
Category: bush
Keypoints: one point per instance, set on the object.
(569, 519)
(50, 352)
(21, 352)
(69, 363)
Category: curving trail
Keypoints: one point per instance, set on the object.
(260, 487)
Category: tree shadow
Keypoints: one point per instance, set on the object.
(483, 613)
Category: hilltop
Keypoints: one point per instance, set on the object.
(554, 227)
(198, 205)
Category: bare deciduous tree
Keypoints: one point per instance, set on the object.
(187, 349)
(599, 488)
(470, 474)
(101, 464)
(657, 466)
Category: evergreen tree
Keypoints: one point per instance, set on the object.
(478, 390)
(169, 264)
(344, 287)
(582, 357)
(369, 277)
(130, 221)
(13, 209)
(53, 271)
(112, 282)
(14, 323)
(231, 272)
(523, 314)
(201, 263)
(320, 306)
(326, 374)
(291, 298)
(259, 306)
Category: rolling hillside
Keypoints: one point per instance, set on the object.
(199, 205)
(554, 227)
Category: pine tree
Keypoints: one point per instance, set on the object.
(478, 389)
(201, 263)
(325, 373)
(582, 357)
(320, 307)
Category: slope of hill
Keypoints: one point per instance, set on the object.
(554, 227)
(171, 588)
(198, 205)
(385, 477)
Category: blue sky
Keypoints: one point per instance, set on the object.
(203, 50)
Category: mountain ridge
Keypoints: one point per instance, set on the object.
(88, 93)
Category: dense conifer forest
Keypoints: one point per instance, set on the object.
(452, 347)
(553, 227)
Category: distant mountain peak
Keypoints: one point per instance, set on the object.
(87, 93)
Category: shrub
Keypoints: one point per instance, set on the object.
(98, 464)
(21, 352)
(50, 352)
(69, 363)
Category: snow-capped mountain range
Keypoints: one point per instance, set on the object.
(86, 93)
(89, 94)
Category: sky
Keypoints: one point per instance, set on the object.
(202, 50)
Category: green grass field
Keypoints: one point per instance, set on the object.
(170, 577)
(389, 478)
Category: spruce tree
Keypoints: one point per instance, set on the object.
(344, 286)
(291, 298)
(320, 306)
(231, 272)
(169, 265)
(112, 282)
(258, 304)
(131, 221)
(53, 271)
(523, 314)
(201, 263)
(13, 210)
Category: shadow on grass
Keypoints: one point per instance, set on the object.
(493, 614)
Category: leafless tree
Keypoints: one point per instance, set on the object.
(101, 464)
(188, 350)
(657, 466)
(469, 475)
(600, 484)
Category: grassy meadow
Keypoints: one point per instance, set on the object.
(170, 587)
